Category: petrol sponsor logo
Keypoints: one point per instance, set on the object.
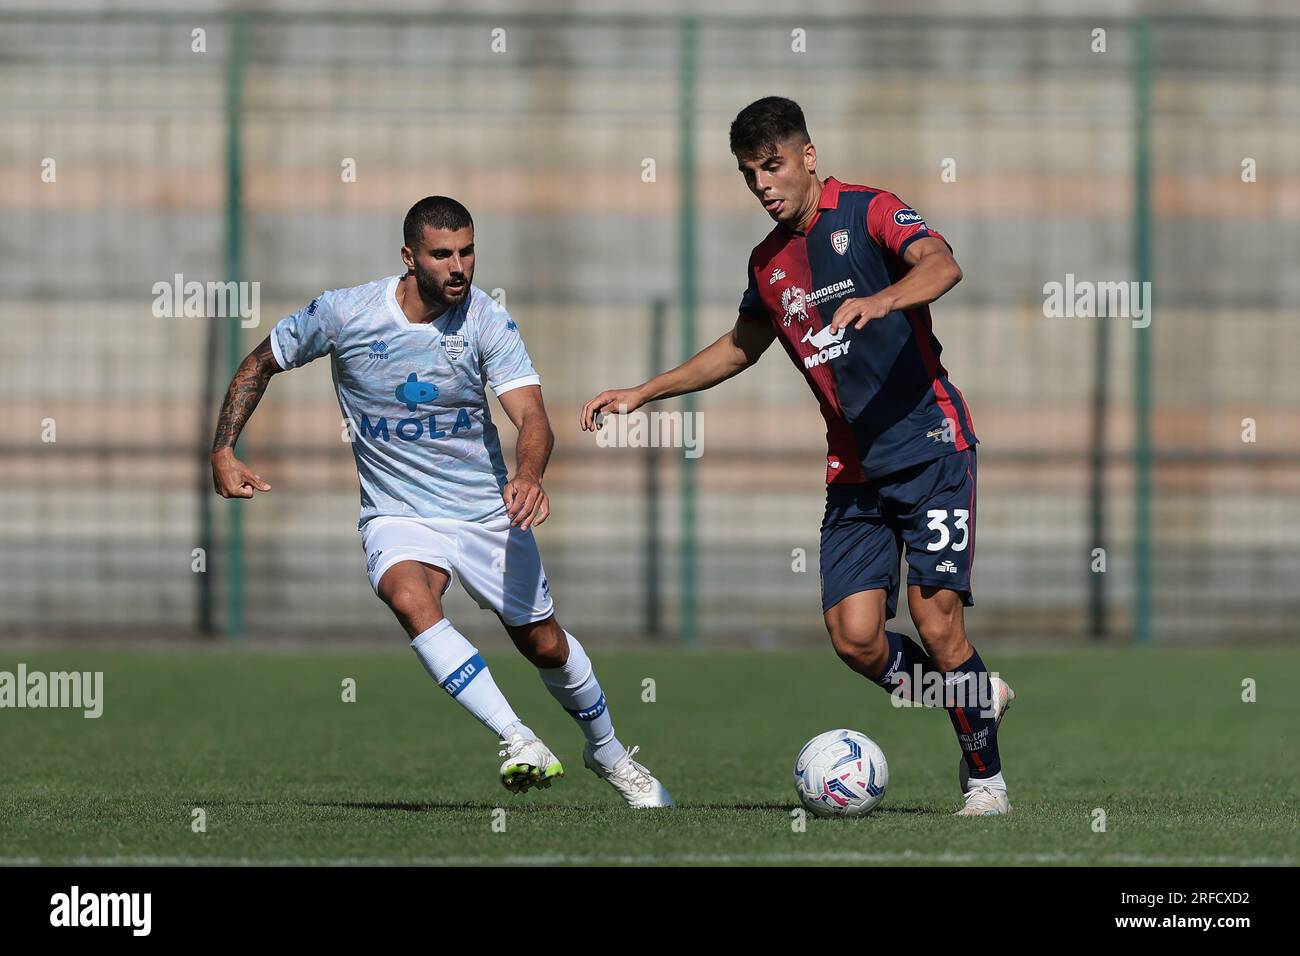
(908, 217)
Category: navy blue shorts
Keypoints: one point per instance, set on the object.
(926, 511)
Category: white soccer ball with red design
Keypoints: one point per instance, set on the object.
(841, 773)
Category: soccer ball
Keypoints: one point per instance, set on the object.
(841, 773)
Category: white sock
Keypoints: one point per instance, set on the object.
(995, 782)
(460, 670)
(575, 686)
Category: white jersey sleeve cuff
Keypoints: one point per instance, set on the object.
(275, 350)
(515, 383)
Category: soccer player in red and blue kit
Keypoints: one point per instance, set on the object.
(844, 282)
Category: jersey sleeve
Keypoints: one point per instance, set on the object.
(751, 306)
(895, 225)
(505, 360)
(305, 335)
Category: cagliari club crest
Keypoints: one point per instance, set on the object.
(840, 241)
(792, 301)
(454, 345)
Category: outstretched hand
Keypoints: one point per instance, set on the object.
(620, 400)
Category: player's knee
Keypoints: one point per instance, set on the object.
(410, 600)
(864, 650)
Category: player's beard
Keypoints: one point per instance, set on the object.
(433, 292)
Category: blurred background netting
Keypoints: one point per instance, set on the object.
(579, 148)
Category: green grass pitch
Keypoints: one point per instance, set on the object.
(286, 772)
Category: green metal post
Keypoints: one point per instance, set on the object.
(1142, 351)
(687, 283)
(234, 268)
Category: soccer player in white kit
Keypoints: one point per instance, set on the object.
(410, 356)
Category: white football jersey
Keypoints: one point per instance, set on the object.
(423, 438)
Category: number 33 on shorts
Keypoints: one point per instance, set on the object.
(940, 520)
(940, 528)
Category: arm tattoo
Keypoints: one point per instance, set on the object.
(245, 392)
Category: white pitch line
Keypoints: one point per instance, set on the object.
(689, 859)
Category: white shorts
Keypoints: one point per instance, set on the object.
(499, 566)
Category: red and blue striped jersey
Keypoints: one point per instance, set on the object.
(885, 395)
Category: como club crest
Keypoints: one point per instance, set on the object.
(840, 241)
(453, 345)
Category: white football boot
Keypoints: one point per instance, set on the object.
(634, 783)
(986, 801)
(529, 763)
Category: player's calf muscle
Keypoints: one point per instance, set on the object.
(940, 622)
(542, 643)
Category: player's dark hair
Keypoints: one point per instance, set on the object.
(436, 212)
(760, 126)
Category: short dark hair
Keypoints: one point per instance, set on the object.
(760, 126)
(436, 212)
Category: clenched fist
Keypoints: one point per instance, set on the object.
(232, 478)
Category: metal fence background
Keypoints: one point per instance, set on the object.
(228, 163)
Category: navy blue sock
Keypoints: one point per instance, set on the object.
(907, 662)
(977, 734)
